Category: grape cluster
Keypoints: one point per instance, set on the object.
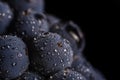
(35, 45)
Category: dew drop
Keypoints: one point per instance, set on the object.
(81, 78)
(58, 53)
(42, 56)
(7, 71)
(51, 77)
(65, 54)
(39, 21)
(53, 54)
(35, 39)
(3, 14)
(35, 78)
(57, 27)
(63, 65)
(42, 48)
(49, 53)
(33, 27)
(8, 47)
(9, 17)
(65, 50)
(55, 64)
(33, 22)
(14, 64)
(2, 47)
(19, 55)
(56, 50)
(35, 33)
(45, 43)
(23, 33)
(61, 60)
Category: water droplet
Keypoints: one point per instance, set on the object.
(42, 48)
(45, 43)
(65, 50)
(53, 54)
(14, 64)
(81, 78)
(7, 71)
(8, 47)
(65, 54)
(35, 33)
(56, 50)
(67, 59)
(66, 41)
(35, 39)
(25, 78)
(23, 33)
(35, 78)
(2, 47)
(51, 77)
(57, 27)
(19, 55)
(63, 65)
(69, 62)
(58, 53)
(61, 60)
(6, 36)
(33, 27)
(42, 56)
(20, 73)
(87, 70)
(3, 14)
(33, 22)
(9, 16)
(39, 21)
(55, 64)
(48, 71)
(49, 53)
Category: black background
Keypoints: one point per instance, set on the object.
(98, 20)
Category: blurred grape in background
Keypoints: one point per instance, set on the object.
(96, 19)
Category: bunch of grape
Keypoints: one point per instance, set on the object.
(35, 45)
